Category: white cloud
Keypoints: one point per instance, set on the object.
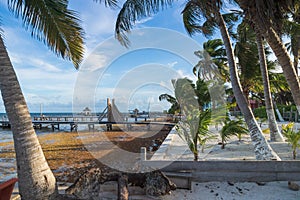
(144, 20)
(43, 65)
(94, 62)
(183, 74)
(172, 64)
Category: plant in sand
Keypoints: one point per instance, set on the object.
(292, 136)
(194, 129)
(230, 128)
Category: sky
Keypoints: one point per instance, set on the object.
(160, 51)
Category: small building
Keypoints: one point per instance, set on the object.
(87, 111)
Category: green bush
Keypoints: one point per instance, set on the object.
(261, 111)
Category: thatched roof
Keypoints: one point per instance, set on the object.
(87, 109)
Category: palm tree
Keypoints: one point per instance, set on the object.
(194, 11)
(210, 10)
(248, 62)
(194, 129)
(56, 25)
(292, 136)
(292, 29)
(230, 128)
(267, 16)
(213, 56)
(251, 53)
(175, 107)
(275, 134)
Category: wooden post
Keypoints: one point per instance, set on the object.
(91, 127)
(109, 111)
(148, 127)
(143, 154)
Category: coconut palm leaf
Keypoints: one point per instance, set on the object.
(53, 23)
(213, 61)
(230, 128)
(292, 136)
(168, 98)
(133, 10)
(109, 3)
(195, 12)
(194, 129)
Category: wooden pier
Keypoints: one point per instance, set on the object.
(90, 121)
(110, 115)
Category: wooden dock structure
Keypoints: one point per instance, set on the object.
(111, 115)
(91, 121)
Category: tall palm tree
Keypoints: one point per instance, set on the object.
(251, 53)
(213, 53)
(267, 16)
(248, 62)
(275, 134)
(193, 12)
(292, 29)
(210, 10)
(56, 25)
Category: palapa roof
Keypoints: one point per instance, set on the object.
(87, 109)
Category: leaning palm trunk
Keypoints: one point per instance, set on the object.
(278, 48)
(286, 63)
(275, 134)
(36, 181)
(262, 149)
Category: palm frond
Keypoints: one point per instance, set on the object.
(193, 14)
(53, 23)
(168, 98)
(109, 3)
(133, 10)
(232, 127)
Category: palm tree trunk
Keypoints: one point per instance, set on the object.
(296, 58)
(262, 149)
(286, 63)
(278, 48)
(275, 134)
(36, 181)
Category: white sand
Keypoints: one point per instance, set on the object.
(239, 191)
(234, 150)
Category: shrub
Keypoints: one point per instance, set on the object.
(292, 136)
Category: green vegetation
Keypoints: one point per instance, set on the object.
(293, 137)
(261, 111)
(232, 128)
(194, 130)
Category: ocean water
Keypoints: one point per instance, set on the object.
(8, 165)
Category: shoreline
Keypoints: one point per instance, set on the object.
(68, 156)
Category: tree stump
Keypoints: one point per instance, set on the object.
(87, 186)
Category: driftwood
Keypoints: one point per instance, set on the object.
(88, 185)
(123, 187)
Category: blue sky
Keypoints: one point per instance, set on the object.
(51, 81)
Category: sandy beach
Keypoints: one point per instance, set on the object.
(70, 154)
